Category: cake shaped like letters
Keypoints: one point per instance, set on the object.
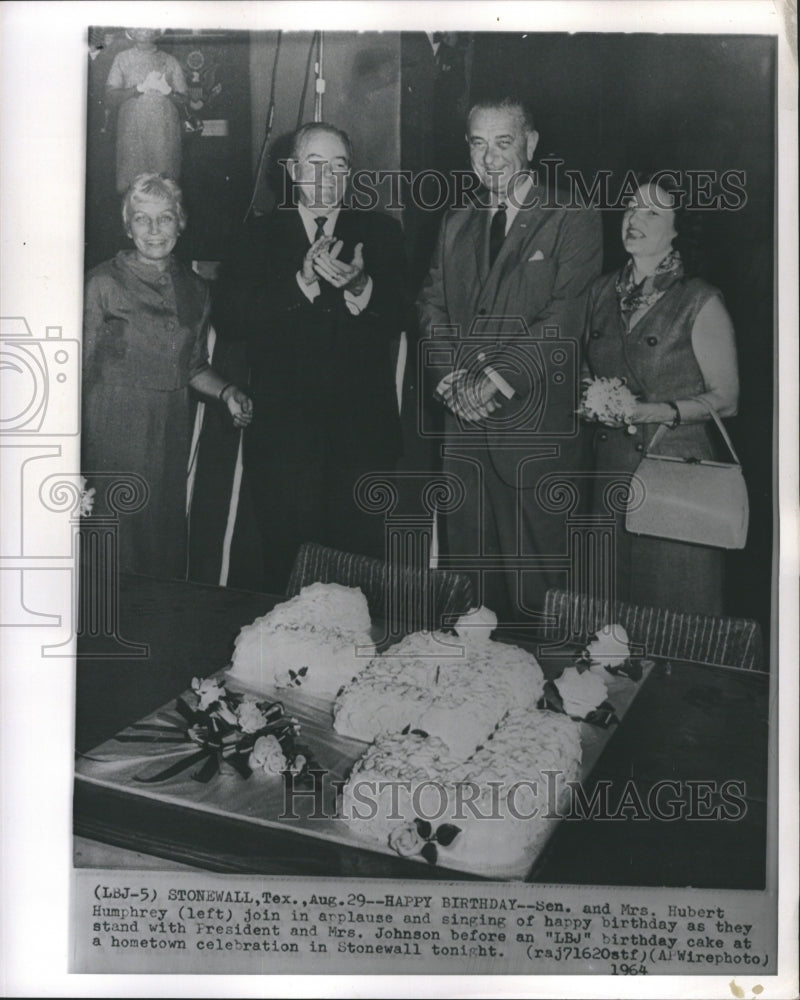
(318, 641)
(454, 687)
(464, 769)
(494, 808)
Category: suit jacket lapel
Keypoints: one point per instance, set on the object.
(522, 228)
(290, 234)
(517, 241)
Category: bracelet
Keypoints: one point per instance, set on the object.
(676, 420)
(222, 391)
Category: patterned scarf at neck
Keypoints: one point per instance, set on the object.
(643, 295)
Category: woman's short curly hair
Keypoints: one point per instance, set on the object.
(153, 186)
(689, 222)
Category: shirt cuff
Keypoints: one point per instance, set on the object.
(310, 291)
(358, 303)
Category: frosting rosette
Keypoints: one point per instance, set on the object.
(406, 840)
(609, 648)
(477, 623)
(581, 691)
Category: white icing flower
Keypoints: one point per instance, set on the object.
(250, 717)
(267, 756)
(208, 691)
(406, 840)
(610, 648)
(477, 623)
(581, 692)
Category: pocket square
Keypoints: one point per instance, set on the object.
(537, 256)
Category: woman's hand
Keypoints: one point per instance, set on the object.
(240, 405)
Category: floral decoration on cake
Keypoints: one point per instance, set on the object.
(420, 837)
(581, 695)
(225, 730)
(477, 624)
(608, 652)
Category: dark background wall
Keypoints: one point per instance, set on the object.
(601, 102)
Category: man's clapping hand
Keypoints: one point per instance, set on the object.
(350, 277)
(321, 246)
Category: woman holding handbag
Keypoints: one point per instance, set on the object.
(667, 334)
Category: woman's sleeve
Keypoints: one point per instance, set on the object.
(199, 362)
(714, 346)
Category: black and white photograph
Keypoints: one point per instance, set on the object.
(399, 439)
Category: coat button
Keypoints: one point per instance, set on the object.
(481, 312)
(652, 341)
(640, 447)
(603, 436)
(595, 334)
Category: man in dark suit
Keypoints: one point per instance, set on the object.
(503, 308)
(317, 290)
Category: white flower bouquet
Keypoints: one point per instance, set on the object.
(607, 401)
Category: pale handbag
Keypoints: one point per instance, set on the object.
(690, 500)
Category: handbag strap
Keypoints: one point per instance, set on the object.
(663, 428)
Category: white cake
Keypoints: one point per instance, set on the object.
(317, 641)
(492, 809)
(455, 772)
(456, 688)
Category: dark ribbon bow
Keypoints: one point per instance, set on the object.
(217, 739)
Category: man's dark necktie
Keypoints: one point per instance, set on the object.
(497, 232)
(327, 294)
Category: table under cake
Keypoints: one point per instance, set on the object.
(691, 748)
